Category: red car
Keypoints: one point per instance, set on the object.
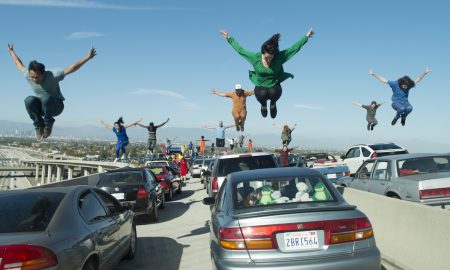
(167, 179)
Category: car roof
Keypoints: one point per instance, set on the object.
(126, 169)
(369, 144)
(255, 154)
(408, 156)
(66, 189)
(270, 173)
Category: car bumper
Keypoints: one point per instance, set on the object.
(368, 259)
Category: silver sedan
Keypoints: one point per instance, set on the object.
(287, 218)
(78, 227)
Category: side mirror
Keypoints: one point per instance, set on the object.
(207, 173)
(209, 201)
(342, 157)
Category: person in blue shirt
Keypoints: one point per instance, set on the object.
(220, 133)
(400, 92)
(121, 132)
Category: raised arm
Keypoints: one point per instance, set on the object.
(221, 94)
(162, 124)
(279, 127)
(134, 123)
(357, 104)
(78, 64)
(427, 70)
(381, 79)
(249, 56)
(290, 52)
(106, 125)
(208, 127)
(230, 126)
(141, 125)
(16, 58)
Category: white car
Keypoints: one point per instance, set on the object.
(359, 153)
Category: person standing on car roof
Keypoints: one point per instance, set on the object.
(268, 65)
(122, 139)
(239, 111)
(371, 111)
(48, 100)
(220, 133)
(286, 133)
(190, 148)
(284, 155)
(250, 145)
(151, 142)
(400, 92)
(202, 145)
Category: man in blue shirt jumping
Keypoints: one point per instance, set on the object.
(220, 133)
(400, 91)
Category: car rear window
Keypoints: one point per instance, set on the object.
(121, 178)
(244, 163)
(282, 190)
(383, 154)
(157, 170)
(384, 146)
(423, 165)
(198, 161)
(28, 211)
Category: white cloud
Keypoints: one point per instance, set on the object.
(83, 35)
(73, 4)
(309, 107)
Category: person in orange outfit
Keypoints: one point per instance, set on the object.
(239, 111)
(250, 145)
(202, 144)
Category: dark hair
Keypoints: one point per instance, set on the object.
(405, 80)
(271, 45)
(119, 121)
(151, 124)
(373, 102)
(36, 67)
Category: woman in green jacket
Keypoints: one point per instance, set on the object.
(268, 65)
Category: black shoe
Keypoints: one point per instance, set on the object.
(48, 130)
(394, 121)
(368, 126)
(264, 111)
(372, 126)
(238, 128)
(273, 110)
(403, 121)
(39, 132)
(242, 128)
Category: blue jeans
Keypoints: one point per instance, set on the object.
(403, 108)
(120, 145)
(42, 110)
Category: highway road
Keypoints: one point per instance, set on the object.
(9, 180)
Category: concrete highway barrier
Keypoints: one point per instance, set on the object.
(409, 235)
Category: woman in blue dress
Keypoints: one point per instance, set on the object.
(122, 139)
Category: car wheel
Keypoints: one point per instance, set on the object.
(395, 197)
(169, 196)
(179, 189)
(133, 245)
(163, 202)
(90, 265)
(153, 216)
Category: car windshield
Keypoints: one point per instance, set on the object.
(282, 190)
(121, 178)
(198, 161)
(244, 163)
(423, 165)
(157, 170)
(384, 146)
(158, 163)
(28, 211)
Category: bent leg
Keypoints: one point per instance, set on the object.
(274, 95)
(243, 116)
(261, 94)
(33, 106)
(51, 107)
(408, 109)
(400, 108)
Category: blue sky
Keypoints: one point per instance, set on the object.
(159, 59)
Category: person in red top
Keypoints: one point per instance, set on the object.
(250, 145)
(284, 155)
(183, 169)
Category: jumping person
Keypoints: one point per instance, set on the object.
(48, 100)
(284, 155)
(400, 91)
(220, 133)
(268, 65)
(371, 112)
(202, 145)
(239, 111)
(151, 142)
(286, 132)
(122, 139)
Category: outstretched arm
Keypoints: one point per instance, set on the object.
(290, 52)
(208, 127)
(427, 70)
(77, 65)
(249, 56)
(106, 125)
(279, 127)
(357, 103)
(221, 94)
(141, 125)
(381, 79)
(134, 123)
(16, 58)
(230, 126)
(162, 124)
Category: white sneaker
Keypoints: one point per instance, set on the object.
(124, 156)
(116, 160)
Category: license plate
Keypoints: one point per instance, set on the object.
(119, 196)
(301, 240)
(331, 175)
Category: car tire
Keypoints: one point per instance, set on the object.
(153, 215)
(163, 202)
(179, 189)
(90, 265)
(395, 197)
(133, 245)
(169, 196)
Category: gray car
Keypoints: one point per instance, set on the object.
(287, 218)
(77, 227)
(423, 178)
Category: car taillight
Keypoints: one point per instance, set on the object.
(347, 173)
(436, 193)
(215, 185)
(142, 193)
(28, 257)
(374, 155)
(264, 237)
